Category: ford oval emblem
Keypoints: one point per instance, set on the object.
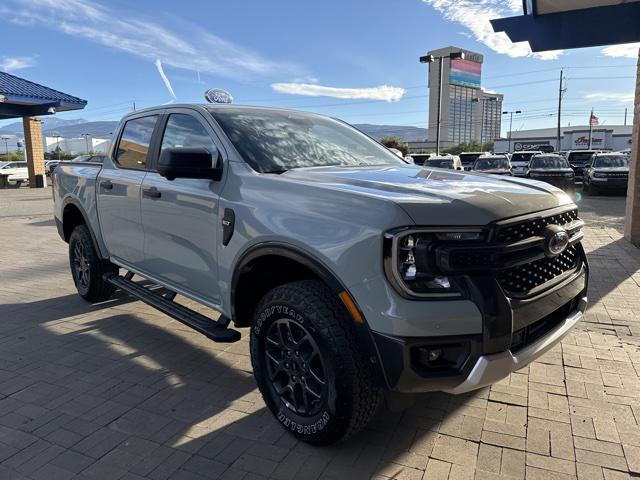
(556, 240)
(217, 95)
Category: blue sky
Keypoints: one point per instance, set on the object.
(356, 59)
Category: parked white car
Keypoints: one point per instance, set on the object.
(13, 173)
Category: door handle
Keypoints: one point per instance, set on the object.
(152, 192)
(106, 185)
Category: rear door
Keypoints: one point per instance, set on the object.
(118, 190)
(180, 216)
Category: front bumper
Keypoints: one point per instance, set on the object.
(560, 182)
(613, 184)
(515, 332)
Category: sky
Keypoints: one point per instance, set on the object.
(356, 60)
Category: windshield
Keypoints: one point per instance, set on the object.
(439, 163)
(611, 161)
(274, 141)
(520, 158)
(549, 162)
(580, 157)
(491, 163)
(469, 158)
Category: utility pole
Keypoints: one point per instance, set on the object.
(625, 116)
(134, 105)
(590, 128)
(560, 94)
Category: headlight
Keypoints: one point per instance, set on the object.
(411, 264)
(600, 175)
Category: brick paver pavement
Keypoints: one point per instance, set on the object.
(119, 390)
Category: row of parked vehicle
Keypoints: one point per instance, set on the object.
(597, 171)
(14, 174)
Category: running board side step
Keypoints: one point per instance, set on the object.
(217, 331)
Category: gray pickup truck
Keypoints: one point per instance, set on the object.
(361, 277)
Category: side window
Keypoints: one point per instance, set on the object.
(134, 142)
(186, 131)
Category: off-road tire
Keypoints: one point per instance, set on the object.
(353, 393)
(93, 288)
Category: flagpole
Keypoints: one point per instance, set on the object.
(590, 128)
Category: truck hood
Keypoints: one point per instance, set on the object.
(436, 196)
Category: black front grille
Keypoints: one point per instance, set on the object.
(523, 279)
(532, 228)
(529, 334)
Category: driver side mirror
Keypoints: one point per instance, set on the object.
(189, 163)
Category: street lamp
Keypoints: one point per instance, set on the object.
(58, 137)
(6, 146)
(86, 140)
(511, 123)
(431, 59)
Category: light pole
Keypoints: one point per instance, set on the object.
(58, 137)
(86, 141)
(431, 59)
(511, 124)
(6, 146)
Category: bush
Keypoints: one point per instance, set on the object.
(395, 142)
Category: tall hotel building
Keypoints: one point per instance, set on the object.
(469, 113)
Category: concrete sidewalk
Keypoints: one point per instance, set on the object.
(119, 390)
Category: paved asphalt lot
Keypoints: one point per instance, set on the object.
(119, 390)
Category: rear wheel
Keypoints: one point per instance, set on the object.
(309, 366)
(87, 268)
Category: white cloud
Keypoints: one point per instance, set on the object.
(384, 92)
(475, 15)
(627, 50)
(11, 64)
(618, 97)
(164, 77)
(184, 45)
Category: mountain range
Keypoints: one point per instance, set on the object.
(74, 128)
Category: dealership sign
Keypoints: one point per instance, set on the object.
(581, 140)
(526, 146)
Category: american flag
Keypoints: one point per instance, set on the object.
(594, 120)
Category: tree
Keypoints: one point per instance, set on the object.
(395, 142)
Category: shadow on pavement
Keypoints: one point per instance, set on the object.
(174, 388)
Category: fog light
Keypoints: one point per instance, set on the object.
(434, 355)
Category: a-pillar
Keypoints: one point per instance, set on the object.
(35, 152)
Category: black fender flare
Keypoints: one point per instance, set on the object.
(365, 336)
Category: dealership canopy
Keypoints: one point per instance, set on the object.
(556, 25)
(22, 98)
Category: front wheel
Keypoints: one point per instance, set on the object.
(87, 268)
(309, 365)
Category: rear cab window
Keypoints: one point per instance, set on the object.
(133, 146)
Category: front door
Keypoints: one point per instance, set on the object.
(180, 216)
(118, 191)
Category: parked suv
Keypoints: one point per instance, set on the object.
(359, 275)
(494, 164)
(469, 158)
(520, 162)
(553, 169)
(450, 162)
(606, 172)
(578, 160)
